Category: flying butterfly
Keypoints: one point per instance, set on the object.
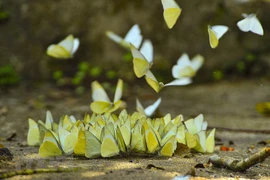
(171, 12)
(157, 86)
(186, 67)
(250, 23)
(101, 100)
(64, 49)
(133, 36)
(215, 33)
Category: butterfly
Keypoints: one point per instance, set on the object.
(196, 125)
(186, 67)
(143, 59)
(196, 136)
(33, 133)
(37, 130)
(109, 146)
(58, 144)
(250, 23)
(157, 86)
(133, 36)
(101, 100)
(152, 138)
(64, 49)
(148, 111)
(171, 12)
(92, 145)
(79, 148)
(215, 33)
(138, 143)
(202, 141)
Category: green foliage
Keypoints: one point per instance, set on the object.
(218, 75)
(111, 74)
(80, 79)
(127, 57)
(8, 76)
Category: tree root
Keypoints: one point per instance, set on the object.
(36, 171)
(240, 165)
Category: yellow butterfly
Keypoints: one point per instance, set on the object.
(33, 133)
(37, 131)
(157, 86)
(168, 148)
(215, 33)
(138, 143)
(133, 36)
(202, 141)
(64, 49)
(148, 111)
(171, 12)
(142, 61)
(92, 145)
(109, 146)
(196, 125)
(55, 145)
(80, 145)
(101, 100)
(186, 67)
(152, 138)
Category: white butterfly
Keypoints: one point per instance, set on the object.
(215, 33)
(186, 67)
(148, 111)
(250, 23)
(64, 49)
(133, 36)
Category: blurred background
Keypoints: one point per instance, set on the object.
(28, 27)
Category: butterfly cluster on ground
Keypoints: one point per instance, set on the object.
(108, 135)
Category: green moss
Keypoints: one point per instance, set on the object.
(8, 76)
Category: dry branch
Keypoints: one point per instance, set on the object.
(240, 165)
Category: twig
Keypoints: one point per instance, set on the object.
(36, 171)
(240, 165)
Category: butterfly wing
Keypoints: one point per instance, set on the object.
(147, 50)
(149, 111)
(109, 146)
(98, 93)
(168, 148)
(92, 145)
(255, 25)
(134, 36)
(140, 64)
(33, 133)
(179, 82)
(213, 39)
(76, 44)
(197, 62)
(171, 12)
(152, 81)
(219, 30)
(210, 141)
(80, 145)
(118, 91)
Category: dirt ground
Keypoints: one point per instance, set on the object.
(228, 106)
